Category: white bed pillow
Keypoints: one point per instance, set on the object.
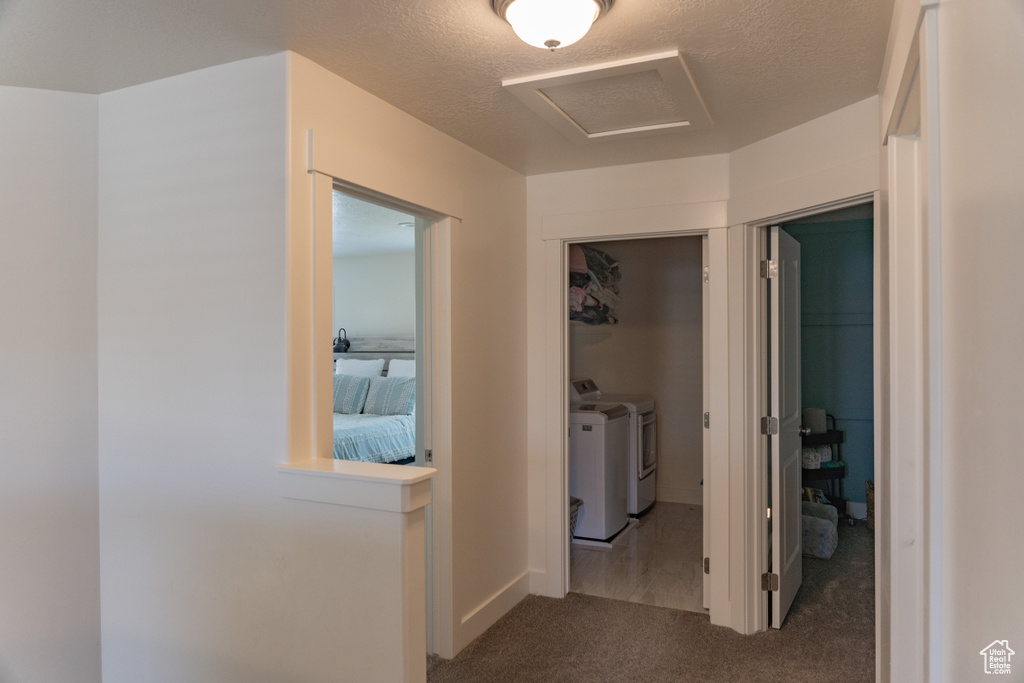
(401, 368)
(359, 368)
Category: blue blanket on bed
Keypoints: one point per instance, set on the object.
(374, 438)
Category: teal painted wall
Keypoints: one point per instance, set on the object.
(836, 341)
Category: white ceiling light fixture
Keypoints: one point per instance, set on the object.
(550, 24)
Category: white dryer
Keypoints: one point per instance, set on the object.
(598, 459)
(643, 442)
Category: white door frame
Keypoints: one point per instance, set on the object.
(753, 616)
(436, 365)
(665, 221)
(910, 645)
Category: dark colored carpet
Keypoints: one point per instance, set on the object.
(829, 635)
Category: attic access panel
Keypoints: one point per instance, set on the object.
(616, 100)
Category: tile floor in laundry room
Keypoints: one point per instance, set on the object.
(656, 562)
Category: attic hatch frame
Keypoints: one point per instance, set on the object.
(670, 67)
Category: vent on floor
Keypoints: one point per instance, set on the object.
(628, 98)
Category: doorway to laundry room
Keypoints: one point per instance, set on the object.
(820, 438)
(637, 360)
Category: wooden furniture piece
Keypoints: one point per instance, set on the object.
(832, 476)
(388, 348)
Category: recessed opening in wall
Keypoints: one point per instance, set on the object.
(375, 318)
(820, 344)
(636, 355)
(836, 310)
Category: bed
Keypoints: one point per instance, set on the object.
(374, 438)
(374, 399)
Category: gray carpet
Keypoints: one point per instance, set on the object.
(829, 635)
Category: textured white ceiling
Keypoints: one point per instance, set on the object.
(361, 227)
(762, 65)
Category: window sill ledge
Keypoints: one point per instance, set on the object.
(389, 488)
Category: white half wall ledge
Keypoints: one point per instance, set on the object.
(373, 486)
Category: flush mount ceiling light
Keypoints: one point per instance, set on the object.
(550, 23)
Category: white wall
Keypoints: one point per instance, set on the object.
(375, 294)
(635, 199)
(390, 152)
(981, 68)
(831, 157)
(49, 519)
(206, 573)
(656, 349)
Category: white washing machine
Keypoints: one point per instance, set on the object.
(598, 459)
(643, 443)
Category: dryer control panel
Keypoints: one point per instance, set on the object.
(584, 389)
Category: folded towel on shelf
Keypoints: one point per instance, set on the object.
(824, 453)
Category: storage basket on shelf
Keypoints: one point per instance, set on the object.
(574, 510)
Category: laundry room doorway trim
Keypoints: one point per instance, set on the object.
(704, 219)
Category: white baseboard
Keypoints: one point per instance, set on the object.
(857, 510)
(489, 611)
(680, 494)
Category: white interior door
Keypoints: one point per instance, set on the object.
(786, 536)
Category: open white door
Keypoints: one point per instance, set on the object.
(785, 511)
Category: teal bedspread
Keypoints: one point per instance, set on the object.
(374, 438)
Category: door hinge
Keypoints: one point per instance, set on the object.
(428, 456)
(769, 582)
(769, 269)
(707, 565)
(707, 420)
(707, 272)
(769, 426)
